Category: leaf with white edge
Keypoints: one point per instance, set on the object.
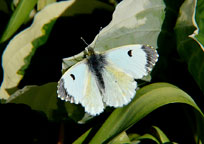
(20, 49)
(188, 49)
(198, 23)
(146, 100)
(133, 22)
(41, 98)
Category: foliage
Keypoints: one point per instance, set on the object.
(34, 47)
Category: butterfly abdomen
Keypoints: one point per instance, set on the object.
(96, 64)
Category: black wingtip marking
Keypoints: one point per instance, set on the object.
(62, 92)
(130, 53)
(152, 56)
(73, 77)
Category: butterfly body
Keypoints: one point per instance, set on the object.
(107, 78)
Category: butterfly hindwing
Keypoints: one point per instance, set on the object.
(92, 99)
(119, 86)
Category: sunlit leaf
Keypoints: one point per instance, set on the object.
(133, 22)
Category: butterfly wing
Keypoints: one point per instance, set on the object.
(124, 65)
(119, 86)
(136, 60)
(78, 85)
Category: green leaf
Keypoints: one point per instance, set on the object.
(148, 136)
(133, 22)
(198, 23)
(82, 138)
(188, 48)
(122, 138)
(3, 6)
(160, 134)
(41, 98)
(146, 100)
(18, 18)
(42, 3)
(21, 48)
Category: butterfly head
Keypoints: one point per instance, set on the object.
(89, 51)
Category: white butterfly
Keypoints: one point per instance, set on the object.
(107, 78)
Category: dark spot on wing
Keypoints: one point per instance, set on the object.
(73, 77)
(151, 55)
(130, 53)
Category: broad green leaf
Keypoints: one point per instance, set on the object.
(146, 100)
(18, 18)
(20, 49)
(189, 49)
(133, 22)
(42, 98)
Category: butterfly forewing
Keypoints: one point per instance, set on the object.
(71, 86)
(78, 85)
(135, 60)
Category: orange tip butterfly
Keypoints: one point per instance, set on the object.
(107, 78)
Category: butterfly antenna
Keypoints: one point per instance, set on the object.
(84, 41)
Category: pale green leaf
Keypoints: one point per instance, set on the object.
(133, 22)
(42, 3)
